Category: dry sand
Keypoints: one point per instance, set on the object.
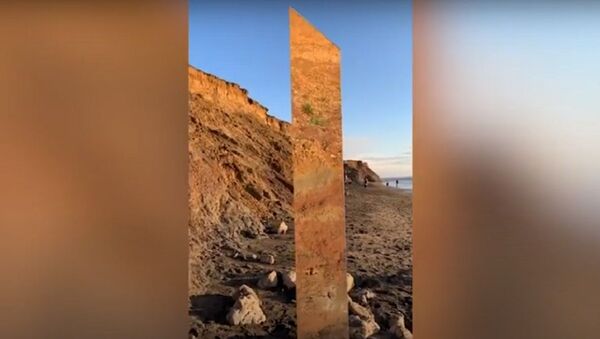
(379, 235)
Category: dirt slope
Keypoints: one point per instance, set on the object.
(240, 172)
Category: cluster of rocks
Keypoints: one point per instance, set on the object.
(264, 258)
(247, 308)
(362, 321)
(273, 279)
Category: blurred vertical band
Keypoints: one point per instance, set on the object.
(506, 159)
(93, 176)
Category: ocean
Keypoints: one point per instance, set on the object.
(404, 183)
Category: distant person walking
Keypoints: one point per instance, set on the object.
(396, 183)
(347, 183)
(387, 184)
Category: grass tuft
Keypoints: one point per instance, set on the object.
(314, 119)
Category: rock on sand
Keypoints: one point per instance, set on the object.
(399, 329)
(362, 321)
(289, 279)
(349, 282)
(268, 259)
(268, 281)
(283, 228)
(246, 309)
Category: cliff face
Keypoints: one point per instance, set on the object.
(229, 97)
(358, 170)
(240, 172)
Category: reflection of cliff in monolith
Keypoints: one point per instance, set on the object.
(240, 172)
(322, 302)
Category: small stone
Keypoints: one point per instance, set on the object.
(268, 259)
(246, 309)
(349, 282)
(365, 295)
(362, 321)
(399, 329)
(268, 281)
(283, 228)
(289, 279)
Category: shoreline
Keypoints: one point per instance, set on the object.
(382, 185)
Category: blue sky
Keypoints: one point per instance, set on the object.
(247, 42)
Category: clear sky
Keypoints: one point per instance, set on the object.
(247, 42)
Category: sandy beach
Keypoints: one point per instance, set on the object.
(379, 245)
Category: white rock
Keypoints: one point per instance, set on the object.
(349, 282)
(283, 228)
(246, 309)
(289, 279)
(267, 259)
(399, 329)
(268, 281)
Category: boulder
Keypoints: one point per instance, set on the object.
(246, 309)
(289, 279)
(399, 329)
(268, 281)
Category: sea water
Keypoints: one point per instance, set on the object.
(404, 183)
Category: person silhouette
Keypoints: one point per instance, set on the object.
(396, 183)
